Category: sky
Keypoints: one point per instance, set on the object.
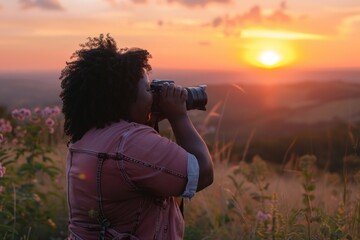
(185, 34)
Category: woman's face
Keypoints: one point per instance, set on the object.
(141, 108)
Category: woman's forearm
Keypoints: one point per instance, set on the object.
(187, 137)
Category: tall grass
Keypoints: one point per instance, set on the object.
(248, 200)
(260, 200)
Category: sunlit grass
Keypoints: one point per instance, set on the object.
(248, 200)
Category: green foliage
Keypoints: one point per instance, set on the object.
(29, 183)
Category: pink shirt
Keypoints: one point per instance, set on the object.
(133, 187)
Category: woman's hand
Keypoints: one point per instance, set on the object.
(172, 101)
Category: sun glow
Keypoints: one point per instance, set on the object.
(269, 54)
(269, 58)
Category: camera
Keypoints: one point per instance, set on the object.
(196, 97)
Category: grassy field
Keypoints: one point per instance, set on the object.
(248, 200)
(273, 149)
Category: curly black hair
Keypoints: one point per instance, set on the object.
(100, 84)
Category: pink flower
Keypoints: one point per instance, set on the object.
(15, 113)
(56, 110)
(261, 216)
(26, 112)
(21, 114)
(15, 141)
(49, 122)
(5, 126)
(51, 130)
(50, 112)
(46, 112)
(2, 170)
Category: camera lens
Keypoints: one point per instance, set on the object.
(197, 98)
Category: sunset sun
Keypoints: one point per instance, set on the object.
(269, 54)
(269, 58)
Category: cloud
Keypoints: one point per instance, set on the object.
(350, 25)
(285, 35)
(194, 3)
(115, 3)
(254, 16)
(44, 4)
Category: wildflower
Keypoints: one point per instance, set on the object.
(50, 112)
(21, 114)
(49, 122)
(15, 113)
(51, 130)
(56, 110)
(15, 141)
(46, 112)
(2, 170)
(261, 216)
(5, 126)
(25, 112)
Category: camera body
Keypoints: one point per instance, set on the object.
(196, 97)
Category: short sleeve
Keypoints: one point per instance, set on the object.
(155, 164)
(193, 177)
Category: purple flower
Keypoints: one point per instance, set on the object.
(50, 112)
(21, 114)
(56, 110)
(261, 216)
(5, 126)
(49, 122)
(26, 112)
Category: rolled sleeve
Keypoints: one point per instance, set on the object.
(193, 177)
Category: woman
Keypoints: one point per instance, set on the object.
(122, 175)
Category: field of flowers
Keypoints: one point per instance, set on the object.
(248, 200)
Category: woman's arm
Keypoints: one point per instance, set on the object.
(173, 107)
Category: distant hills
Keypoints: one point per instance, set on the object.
(29, 91)
(316, 114)
(283, 109)
(269, 109)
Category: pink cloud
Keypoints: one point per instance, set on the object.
(43, 4)
(115, 3)
(255, 15)
(194, 3)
